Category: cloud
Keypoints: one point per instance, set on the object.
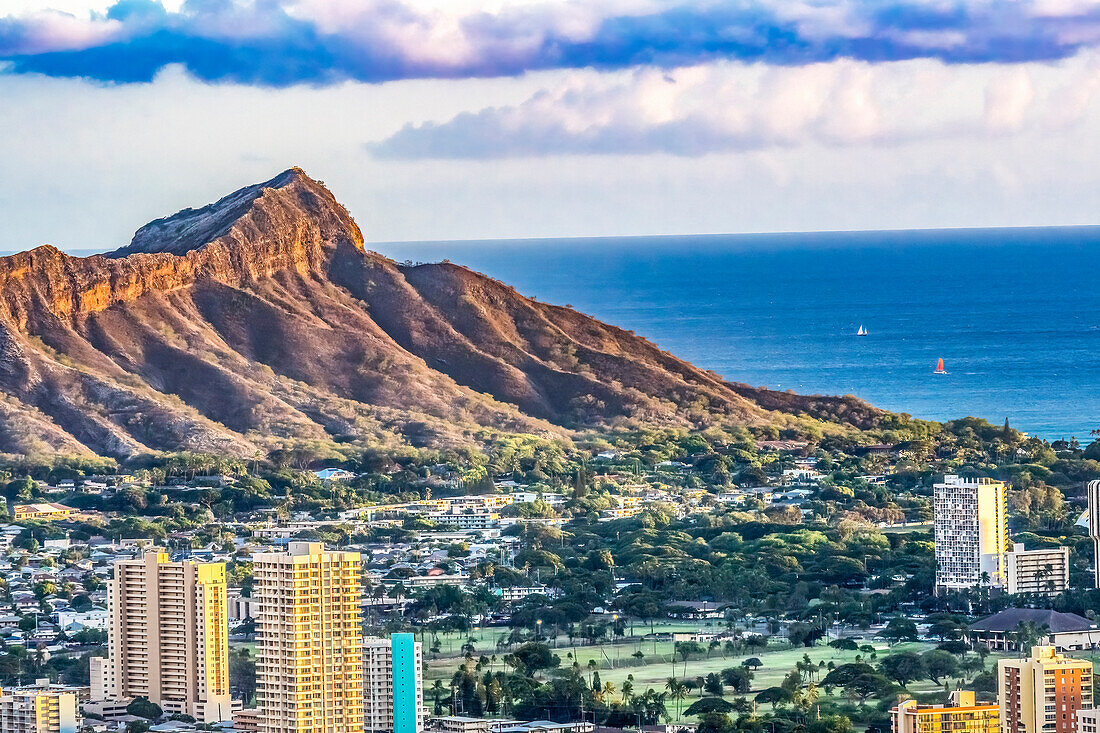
(732, 107)
(1008, 99)
(318, 42)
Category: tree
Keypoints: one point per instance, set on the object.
(677, 690)
(844, 644)
(1027, 634)
(739, 679)
(864, 686)
(940, 664)
(756, 641)
(753, 662)
(713, 685)
(438, 690)
(247, 628)
(807, 697)
(904, 667)
(900, 628)
(841, 676)
(829, 724)
(715, 722)
(242, 673)
(142, 708)
(649, 707)
(946, 629)
(686, 648)
(804, 634)
(533, 657)
(710, 705)
(774, 695)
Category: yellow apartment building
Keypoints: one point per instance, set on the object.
(309, 653)
(961, 715)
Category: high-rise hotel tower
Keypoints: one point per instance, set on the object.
(309, 654)
(168, 638)
(393, 686)
(971, 531)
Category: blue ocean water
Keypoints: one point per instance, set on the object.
(1014, 313)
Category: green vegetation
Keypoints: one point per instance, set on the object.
(813, 601)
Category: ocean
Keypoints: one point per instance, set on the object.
(1014, 313)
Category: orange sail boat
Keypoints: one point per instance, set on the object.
(939, 368)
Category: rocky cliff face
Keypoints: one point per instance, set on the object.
(260, 320)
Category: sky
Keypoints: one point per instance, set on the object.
(464, 119)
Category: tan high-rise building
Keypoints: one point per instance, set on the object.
(1044, 693)
(309, 652)
(168, 637)
(971, 532)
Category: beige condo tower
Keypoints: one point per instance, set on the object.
(309, 653)
(168, 638)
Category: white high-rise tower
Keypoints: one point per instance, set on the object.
(971, 532)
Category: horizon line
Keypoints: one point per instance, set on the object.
(371, 244)
(759, 233)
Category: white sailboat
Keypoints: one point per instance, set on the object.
(862, 331)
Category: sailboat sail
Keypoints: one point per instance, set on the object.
(939, 367)
(862, 331)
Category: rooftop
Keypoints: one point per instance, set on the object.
(1010, 618)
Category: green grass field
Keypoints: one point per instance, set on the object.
(615, 662)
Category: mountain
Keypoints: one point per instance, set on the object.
(261, 320)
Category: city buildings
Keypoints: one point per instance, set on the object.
(1044, 571)
(309, 666)
(962, 715)
(241, 606)
(393, 687)
(518, 593)
(168, 635)
(39, 708)
(971, 532)
(1043, 694)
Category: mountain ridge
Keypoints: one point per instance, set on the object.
(261, 320)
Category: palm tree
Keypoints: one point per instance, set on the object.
(806, 697)
(608, 690)
(677, 690)
(1027, 634)
(807, 667)
(438, 690)
(650, 707)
